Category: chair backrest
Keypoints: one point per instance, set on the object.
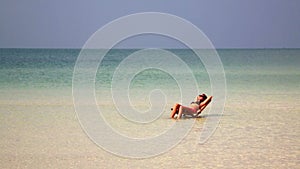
(208, 100)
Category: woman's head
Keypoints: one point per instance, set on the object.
(202, 97)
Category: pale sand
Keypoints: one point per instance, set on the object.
(39, 129)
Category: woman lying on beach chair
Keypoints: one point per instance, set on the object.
(196, 107)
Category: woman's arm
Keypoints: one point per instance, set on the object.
(204, 104)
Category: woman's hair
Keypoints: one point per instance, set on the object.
(204, 96)
(201, 95)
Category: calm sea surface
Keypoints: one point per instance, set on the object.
(53, 68)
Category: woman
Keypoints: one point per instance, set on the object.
(196, 107)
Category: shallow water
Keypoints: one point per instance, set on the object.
(258, 129)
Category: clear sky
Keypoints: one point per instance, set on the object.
(227, 23)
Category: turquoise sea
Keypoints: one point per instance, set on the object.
(274, 70)
(259, 127)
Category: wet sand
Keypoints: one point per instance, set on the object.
(39, 129)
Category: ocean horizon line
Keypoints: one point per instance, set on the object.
(49, 48)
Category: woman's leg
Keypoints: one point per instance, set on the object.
(180, 112)
(175, 110)
(185, 110)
